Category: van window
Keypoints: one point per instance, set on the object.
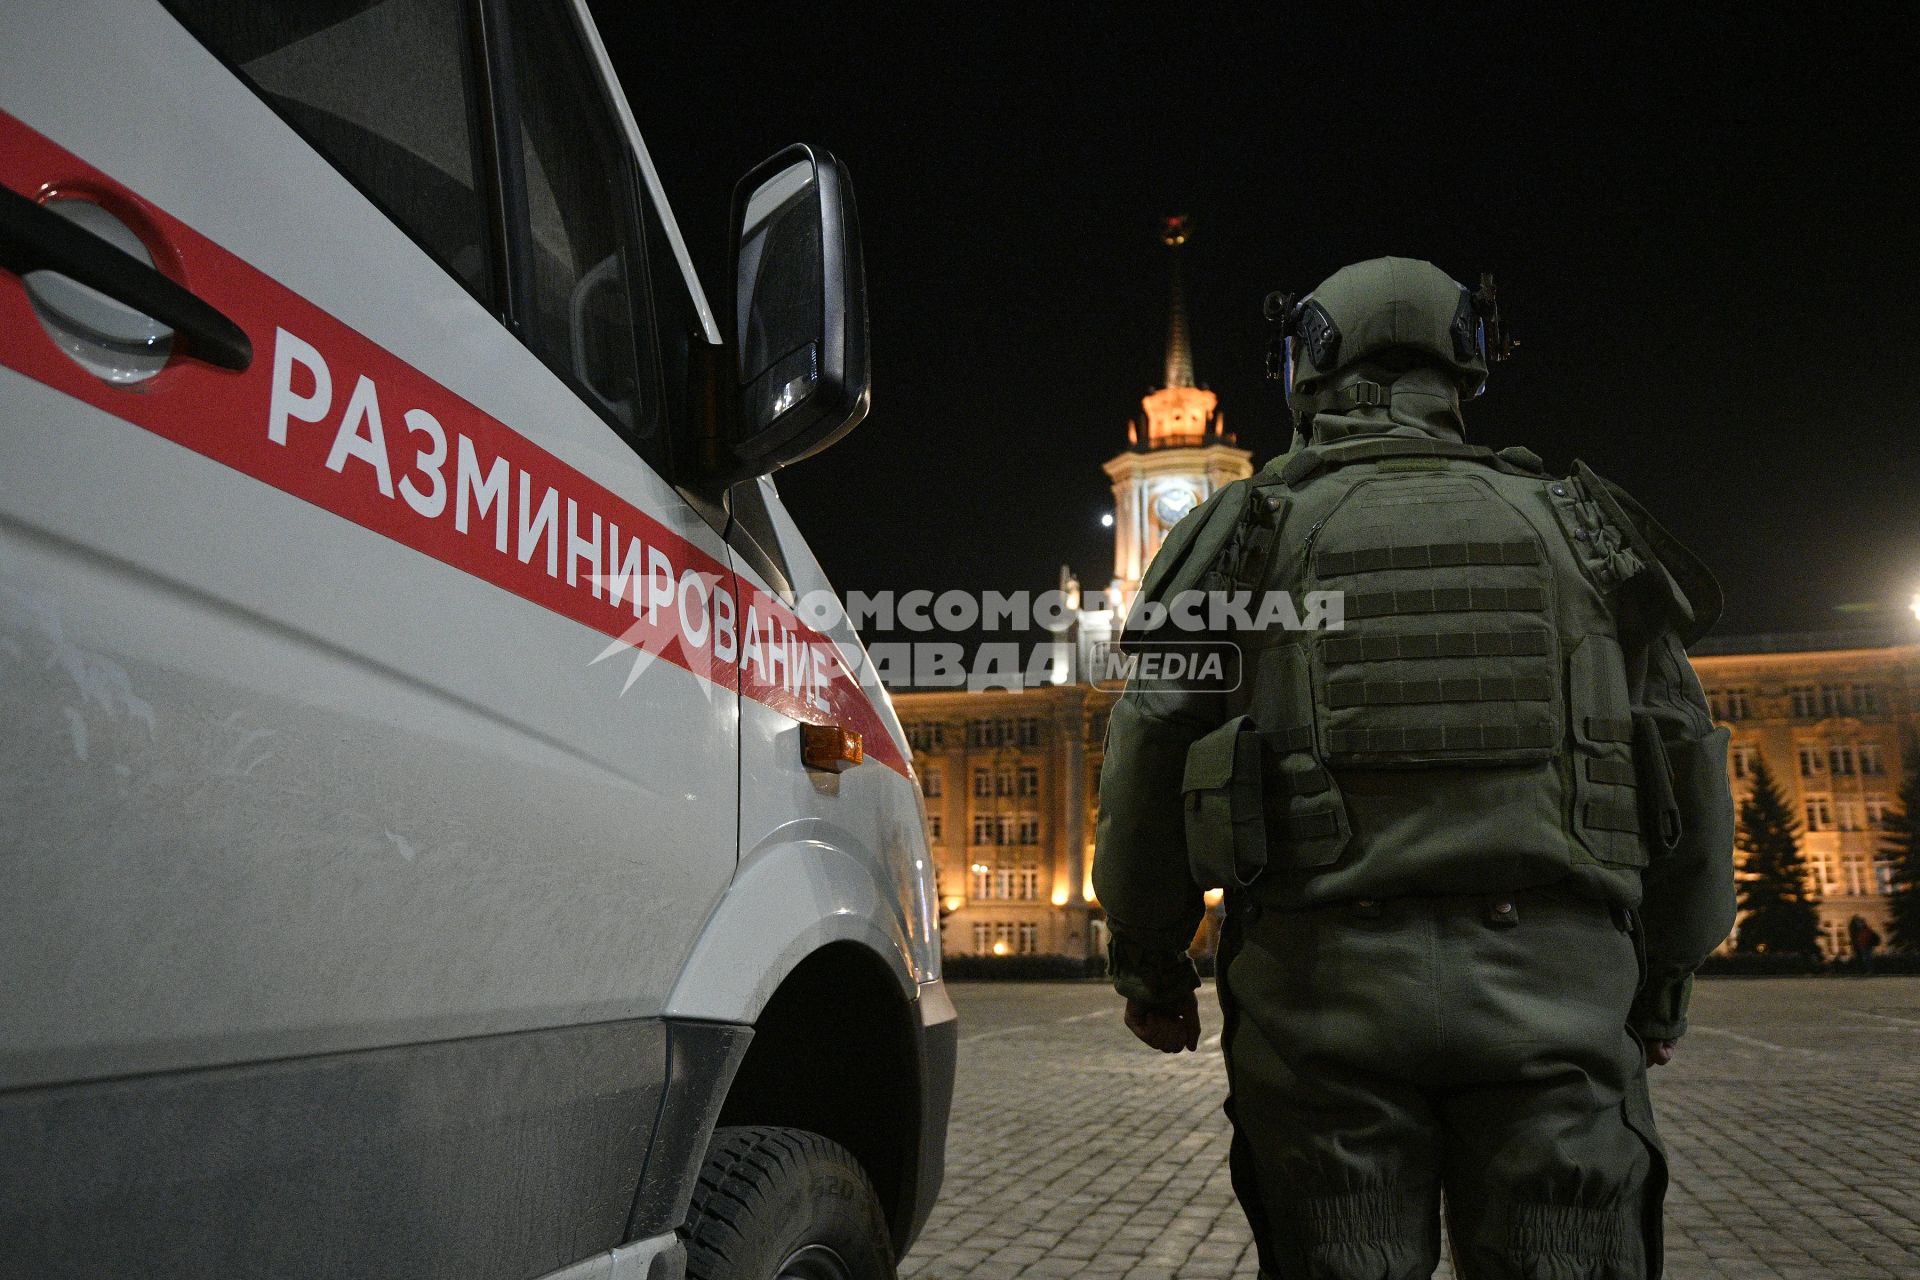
(582, 228)
(384, 89)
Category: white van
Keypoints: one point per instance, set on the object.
(435, 838)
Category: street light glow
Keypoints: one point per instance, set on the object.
(1916, 604)
(1106, 522)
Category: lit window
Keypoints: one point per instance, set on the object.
(1819, 814)
(925, 736)
(1729, 704)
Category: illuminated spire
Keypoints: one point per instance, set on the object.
(1179, 350)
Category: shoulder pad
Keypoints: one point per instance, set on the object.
(1525, 459)
(1690, 587)
(1192, 546)
(1300, 468)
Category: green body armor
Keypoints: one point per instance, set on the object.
(1469, 726)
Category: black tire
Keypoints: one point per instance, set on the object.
(784, 1204)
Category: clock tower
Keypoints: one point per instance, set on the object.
(1179, 452)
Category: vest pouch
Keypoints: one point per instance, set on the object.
(1698, 769)
(1225, 807)
(1659, 808)
(1306, 817)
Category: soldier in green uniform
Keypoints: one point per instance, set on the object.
(1474, 841)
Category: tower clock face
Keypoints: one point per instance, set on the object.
(1170, 504)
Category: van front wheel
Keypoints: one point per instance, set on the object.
(784, 1204)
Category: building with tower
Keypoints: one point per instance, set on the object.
(1179, 449)
(1011, 778)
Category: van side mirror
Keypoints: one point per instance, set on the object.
(799, 310)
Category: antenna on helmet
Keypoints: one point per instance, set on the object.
(1280, 310)
(1486, 305)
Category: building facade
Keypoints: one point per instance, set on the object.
(1010, 782)
(1836, 719)
(1011, 778)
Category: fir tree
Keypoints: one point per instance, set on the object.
(1777, 914)
(1903, 846)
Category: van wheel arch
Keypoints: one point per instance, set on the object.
(834, 1052)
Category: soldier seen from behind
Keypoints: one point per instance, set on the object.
(1474, 841)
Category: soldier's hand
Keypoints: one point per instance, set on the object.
(1660, 1052)
(1167, 1027)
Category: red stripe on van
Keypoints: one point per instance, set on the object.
(224, 416)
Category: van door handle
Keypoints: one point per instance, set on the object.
(35, 238)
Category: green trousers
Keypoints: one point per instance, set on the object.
(1379, 1054)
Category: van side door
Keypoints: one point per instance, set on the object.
(367, 704)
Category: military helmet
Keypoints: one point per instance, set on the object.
(1388, 304)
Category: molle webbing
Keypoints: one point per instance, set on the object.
(1505, 643)
(1606, 729)
(1388, 693)
(1606, 816)
(1380, 604)
(1447, 655)
(1615, 773)
(1426, 555)
(1432, 739)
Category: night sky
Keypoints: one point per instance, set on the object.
(1703, 226)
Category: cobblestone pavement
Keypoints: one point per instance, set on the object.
(1790, 1117)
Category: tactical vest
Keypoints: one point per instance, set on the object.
(1469, 725)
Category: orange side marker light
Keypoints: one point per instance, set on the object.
(830, 747)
